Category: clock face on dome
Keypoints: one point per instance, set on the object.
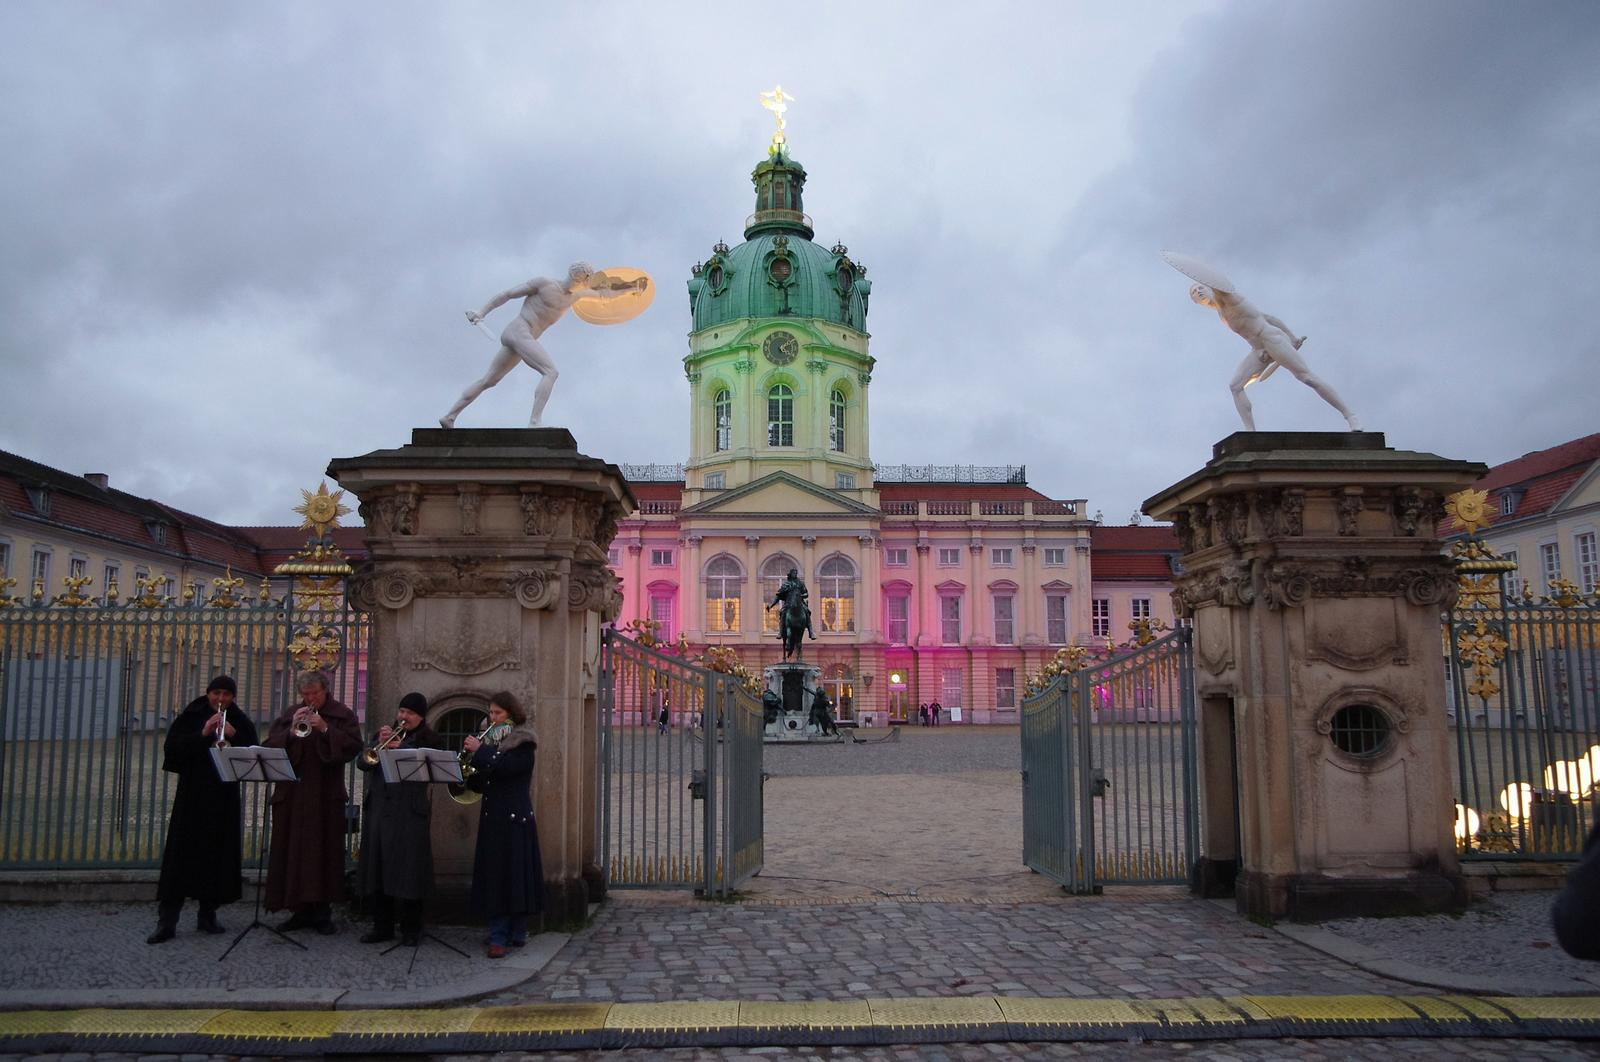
(780, 348)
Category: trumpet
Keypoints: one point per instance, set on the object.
(303, 728)
(460, 793)
(222, 727)
(397, 734)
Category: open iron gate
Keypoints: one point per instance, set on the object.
(680, 773)
(1108, 771)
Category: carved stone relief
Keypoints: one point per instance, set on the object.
(1350, 506)
(467, 501)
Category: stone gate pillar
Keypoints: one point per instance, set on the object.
(487, 571)
(1315, 582)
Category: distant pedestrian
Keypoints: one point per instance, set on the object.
(922, 714)
(663, 719)
(933, 713)
(1576, 912)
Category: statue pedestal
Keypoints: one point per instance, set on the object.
(488, 572)
(1315, 583)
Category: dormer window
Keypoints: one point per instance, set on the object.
(1509, 500)
(158, 531)
(39, 498)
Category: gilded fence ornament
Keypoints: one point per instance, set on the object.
(315, 648)
(38, 591)
(321, 510)
(6, 585)
(147, 591)
(111, 589)
(1469, 508)
(1478, 591)
(1564, 593)
(264, 592)
(1482, 648)
(75, 597)
(191, 592)
(224, 588)
(1146, 631)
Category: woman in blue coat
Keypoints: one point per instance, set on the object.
(507, 875)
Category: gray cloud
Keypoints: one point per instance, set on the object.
(242, 238)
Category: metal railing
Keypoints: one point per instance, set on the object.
(680, 754)
(950, 473)
(87, 694)
(1109, 770)
(1525, 708)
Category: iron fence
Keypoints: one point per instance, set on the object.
(1525, 711)
(680, 754)
(1109, 770)
(87, 693)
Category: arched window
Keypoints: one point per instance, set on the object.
(722, 420)
(780, 416)
(773, 570)
(724, 583)
(836, 595)
(836, 420)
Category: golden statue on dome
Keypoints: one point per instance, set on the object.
(777, 101)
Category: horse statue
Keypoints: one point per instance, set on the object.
(794, 619)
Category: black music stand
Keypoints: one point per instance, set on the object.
(434, 766)
(256, 763)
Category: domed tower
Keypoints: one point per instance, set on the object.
(778, 365)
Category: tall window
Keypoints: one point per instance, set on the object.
(663, 609)
(836, 606)
(1055, 619)
(950, 620)
(78, 567)
(1005, 687)
(836, 420)
(1550, 562)
(773, 569)
(897, 607)
(780, 416)
(1588, 562)
(1100, 616)
(1055, 556)
(1005, 625)
(950, 687)
(722, 420)
(41, 569)
(1513, 577)
(1140, 608)
(724, 581)
(716, 481)
(5, 559)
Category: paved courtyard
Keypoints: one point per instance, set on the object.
(893, 875)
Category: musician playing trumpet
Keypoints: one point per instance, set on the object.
(305, 864)
(203, 850)
(396, 852)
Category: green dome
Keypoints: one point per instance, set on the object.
(778, 271)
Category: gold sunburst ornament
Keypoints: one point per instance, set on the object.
(321, 510)
(1469, 508)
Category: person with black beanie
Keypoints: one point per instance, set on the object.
(396, 846)
(203, 852)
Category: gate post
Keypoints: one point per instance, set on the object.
(488, 572)
(1315, 582)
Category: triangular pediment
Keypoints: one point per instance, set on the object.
(779, 493)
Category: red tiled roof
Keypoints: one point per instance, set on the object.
(1151, 567)
(1134, 537)
(1543, 477)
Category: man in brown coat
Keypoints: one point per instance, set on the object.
(305, 867)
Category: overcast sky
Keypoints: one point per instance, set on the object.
(238, 238)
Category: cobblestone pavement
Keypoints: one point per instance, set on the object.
(647, 950)
(1330, 1050)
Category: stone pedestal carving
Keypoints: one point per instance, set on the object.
(488, 572)
(1315, 583)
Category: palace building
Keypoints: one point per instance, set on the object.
(928, 582)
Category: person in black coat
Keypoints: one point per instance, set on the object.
(396, 846)
(203, 853)
(1576, 912)
(507, 874)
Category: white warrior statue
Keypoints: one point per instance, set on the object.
(543, 303)
(1272, 343)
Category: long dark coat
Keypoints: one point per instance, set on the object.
(1576, 912)
(396, 850)
(306, 861)
(202, 855)
(507, 874)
